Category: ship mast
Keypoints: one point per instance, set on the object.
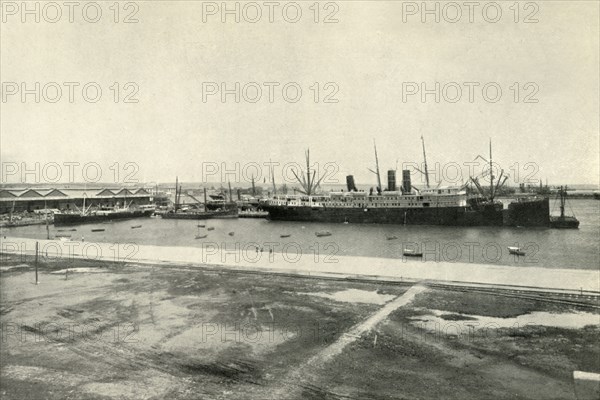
(83, 208)
(308, 181)
(563, 194)
(376, 172)
(176, 193)
(272, 171)
(47, 226)
(377, 166)
(491, 175)
(309, 187)
(425, 162)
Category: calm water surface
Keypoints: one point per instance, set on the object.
(549, 248)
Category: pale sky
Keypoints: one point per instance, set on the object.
(367, 54)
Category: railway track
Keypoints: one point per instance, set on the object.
(586, 300)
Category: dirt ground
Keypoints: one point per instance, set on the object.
(115, 331)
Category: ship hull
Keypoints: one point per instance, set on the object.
(74, 219)
(449, 216)
(202, 215)
(564, 223)
(535, 213)
(530, 213)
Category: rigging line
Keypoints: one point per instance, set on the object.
(571, 208)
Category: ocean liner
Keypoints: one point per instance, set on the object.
(406, 204)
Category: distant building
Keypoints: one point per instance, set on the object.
(19, 200)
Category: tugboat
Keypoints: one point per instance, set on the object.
(563, 221)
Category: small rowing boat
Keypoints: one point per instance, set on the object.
(412, 253)
(516, 250)
(322, 233)
(201, 236)
(136, 226)
(285, 235)
(98, 230)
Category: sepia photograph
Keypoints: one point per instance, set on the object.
(290, 200)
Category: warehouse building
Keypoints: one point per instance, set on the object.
(30, 200)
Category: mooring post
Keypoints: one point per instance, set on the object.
(36, 262)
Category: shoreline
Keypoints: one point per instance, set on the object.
(573, 281)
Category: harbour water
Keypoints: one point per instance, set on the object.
(548, 248)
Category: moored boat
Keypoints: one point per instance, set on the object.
(412, 253)
(563, 221)
(229, 213)
(208, 210)
(99, 215)
(516, 250)
(322, 233)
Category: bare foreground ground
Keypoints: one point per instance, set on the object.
(114, 331)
